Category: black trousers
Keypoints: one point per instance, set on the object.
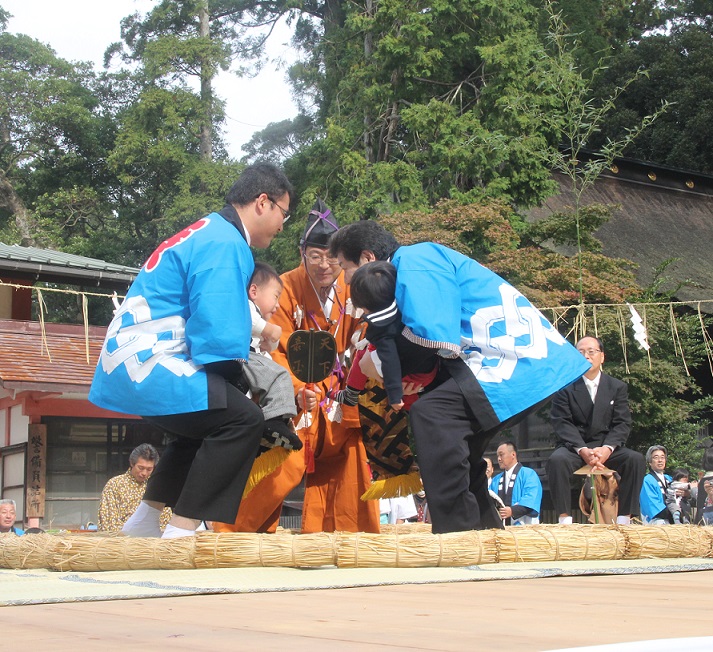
(449, 447)
(627, 463)
(203, 472)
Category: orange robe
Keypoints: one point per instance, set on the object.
(341, 470)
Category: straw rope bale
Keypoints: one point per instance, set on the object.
(559, 543)
(91, 553)
(418, 550)
(666, 541)
(468, 548)
(237, 549)
(28, 551)
(365, 550)
(402, 546)
(405, 528)
(707, 534)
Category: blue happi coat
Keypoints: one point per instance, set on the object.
(450, 302)
(527, 491)
(651, 498)
(187, 307)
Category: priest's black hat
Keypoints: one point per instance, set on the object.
(320, 226)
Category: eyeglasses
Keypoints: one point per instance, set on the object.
(285, 214)
(589, 352)
(316, 259)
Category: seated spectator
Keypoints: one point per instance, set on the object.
(657, 498)
(704, 503)
(705, 500)
(518, 487)
(122, 495)
(397, 510)
(8, 516)
(683, 492)
(591, 421)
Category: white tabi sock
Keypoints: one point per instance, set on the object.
(173, 532)
(623, 520)
(565, 520)
(144, 522)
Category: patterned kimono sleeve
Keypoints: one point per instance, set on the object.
(109, 509)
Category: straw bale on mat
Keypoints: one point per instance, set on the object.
(28, 551)
(707, 535)
(559, 543)
(87, 552)
(666, 541)
(238, 549)
(405, 528)
(419, 550)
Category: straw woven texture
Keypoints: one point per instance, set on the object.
(231, 549)
(401, 546)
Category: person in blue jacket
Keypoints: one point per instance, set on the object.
(174, 352)
(8, 515)
(657, 497)
(500, 359)
(518, 486)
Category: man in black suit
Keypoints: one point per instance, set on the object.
(591, 420)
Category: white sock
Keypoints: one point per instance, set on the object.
(144, 522)
(623, 520)
(565, 520)
(173, 532)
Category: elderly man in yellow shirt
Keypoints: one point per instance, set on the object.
(123, 493)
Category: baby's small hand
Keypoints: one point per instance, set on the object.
(397, 406)
(271, 333)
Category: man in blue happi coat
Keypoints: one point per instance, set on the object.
(174, 354)
(519, 488)
(500, 359)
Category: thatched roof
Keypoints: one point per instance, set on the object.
(661, 213)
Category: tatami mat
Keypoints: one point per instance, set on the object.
(20, 587)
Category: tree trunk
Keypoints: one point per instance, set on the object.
(10, 200)
(206, 130)
(368, 137)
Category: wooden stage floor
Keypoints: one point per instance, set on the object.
(524, 614)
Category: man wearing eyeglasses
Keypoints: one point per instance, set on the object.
(174, 353)
(592, 421)
(333, 457)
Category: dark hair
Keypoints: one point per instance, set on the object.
(373, 286)
(34, 530)
(600, 344)
(510, 444)
(365, 235)
(257, 179)
(708, 459)
(677, 474)
(143, 451)
(263, 274)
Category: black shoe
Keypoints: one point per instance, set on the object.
(280, 432)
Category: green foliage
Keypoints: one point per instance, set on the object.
(280, 140)
(475, 230)
(551, 279)
(678, 65)
(56, 133)
(561, 228)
